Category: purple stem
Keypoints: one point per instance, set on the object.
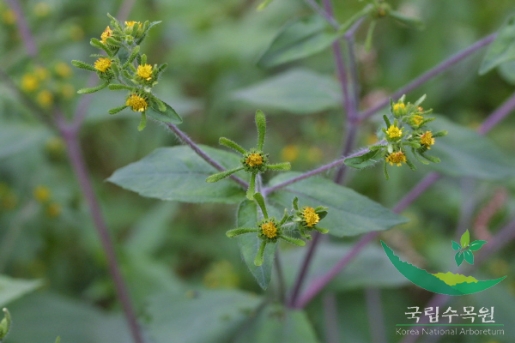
(79, 167)
(501, 239)
(188, 141)
(440, 68)
(499, 114)
(23, 27)
(375, 315)
(332, 326)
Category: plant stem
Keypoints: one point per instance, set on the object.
(185, 139)
(79, 167)
(23, 28)
(440, 68)
(501, 239)
(375, 315)
(500, 113)
(329, 18)
(280, 277)
(332, 327)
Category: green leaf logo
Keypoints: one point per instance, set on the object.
(465, 248)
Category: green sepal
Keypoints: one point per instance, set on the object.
(430, 158)
(386, 120)
(252, 186)
(476, 245)
(410, 164)
(295, 241)
(143, 122)
(296, 204)
(93, 89)
(114, 22)
(5, 324)
(161, 68)
(83, 65)
(261, 203)
(440, 134)
(119, 86)
(320, 229)
(222, 175)
(240, 231)
(232, 145)
(285, 217)
(261, 129)
(279, 166)
(117, 109)
(366, 160)
(421, 100)
(98, 44)
(258, 261)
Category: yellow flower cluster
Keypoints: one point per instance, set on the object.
(137, 103)
(310, 217)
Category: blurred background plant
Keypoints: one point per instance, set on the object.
(170, 252)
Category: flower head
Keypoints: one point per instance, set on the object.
(254, 159)
(426, 139)
(310, 217)
(29, 83)
(269, 229)
(416, 120)
(45, 98)
(106, 34)
(63, 70)
(41, 193)
(399, 109)
(394, 132)
(145, 72)
(102, 64)
(137, 103)
(130, 24)
(396, 158)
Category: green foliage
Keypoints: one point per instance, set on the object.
(15, 138)
(12, 289)
(178, 173)
(502, 50)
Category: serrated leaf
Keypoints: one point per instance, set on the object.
(170, 116)
(363, 161)
(178, 173)
(476, 245)
(459, 258)
(463, 152)
(349, 213)
(298, 39)
(293, 91)
(12, 289)
(274, 323)
(14, 137)
(370, 268)
(465, 239)
(207, 316)
(456, 245)
(249, 245)
(469, 256)
(502, 48)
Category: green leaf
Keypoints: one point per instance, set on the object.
(293, 91)
(264, 4)
(94, 89)
(465, 239)
(405, 20)
(507, 71)
(459, 258)
(502, 48)
(476, 245)
(40, 317)
(274, 323)
(456, 245)
(469, 256)
(463, 152)
(178, 173)
(203, 316)
(349, 213)
(370, 268)
(363, 161)
(14, 137)
(83, 65)
(168, 117)
(299, 39)
(249, 245)
(12, 289)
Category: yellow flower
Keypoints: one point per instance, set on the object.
(29, 83)
(102, 64)
(416, 120)
(53, 210)
(63, 70)
(41, 73)
(396, 158)
(41, 193)
(106, 34)
(41, 9)
(76, 33)
(145, 71)
(130, 24)
(394, 132)
(254, 160)
(290, 153)
(427, 139)
(45, 98)
(9, 17)
(310, 217)
(137, 103)
(269, 229)
(67, 91)
(399, 109)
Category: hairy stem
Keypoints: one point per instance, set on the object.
(428, 75)
(79, 167)
(185, 139)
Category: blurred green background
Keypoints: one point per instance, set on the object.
(211, 48)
